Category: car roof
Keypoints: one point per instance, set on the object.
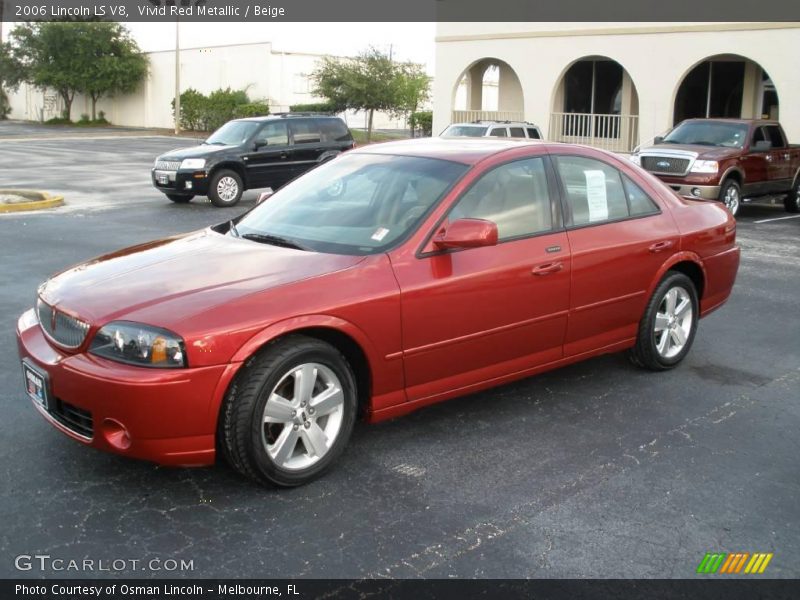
(488, 123)
(287, 117)
(468, 151)
(733, 120)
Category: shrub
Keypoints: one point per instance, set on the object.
(421, 122)
(84, 120)
(58, 121)
(252, 109)
(206, 113)
(320, 107)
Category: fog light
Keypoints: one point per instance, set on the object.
(188, 185)
(115, 434)
(696, 192)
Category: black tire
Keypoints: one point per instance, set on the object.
(732, 187)
(215, 190)
(242, 431)
(792, 201)
(179, 198)
(645, 352)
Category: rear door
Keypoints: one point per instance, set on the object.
(757, 164)
(306, 143)
(269, 163)
(619, 240)
(780, 168)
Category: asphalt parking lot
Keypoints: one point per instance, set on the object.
(594, 470)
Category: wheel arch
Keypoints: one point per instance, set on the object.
(687, 263)
(734, 173)
(233, 166)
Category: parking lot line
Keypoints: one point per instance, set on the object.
(777, 219)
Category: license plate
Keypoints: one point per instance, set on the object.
(36, 384)
(163, 180)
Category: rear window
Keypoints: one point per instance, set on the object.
(775, 136)
(334, 130)
(533, 133)
(305, 131)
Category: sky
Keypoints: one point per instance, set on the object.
(408, 41)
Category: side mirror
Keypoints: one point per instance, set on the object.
(264, 196)
(658, 139)
(467, 233)
(762, 146)
(259, 145)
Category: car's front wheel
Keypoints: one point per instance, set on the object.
(179, 198)
(289, 414)
(792, 200)
(669, 324)
(226, 188)
(731, 196)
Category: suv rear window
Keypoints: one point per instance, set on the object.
(533, 133)
(305, 131)
(499, 132)
(334, 130)
(517, 132)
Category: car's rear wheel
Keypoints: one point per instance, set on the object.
(792, 200)
(179, 198)
(731, 195)
(226, 188)
(289, 414)
(669, 324)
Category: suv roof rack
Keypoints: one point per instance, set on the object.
(503, 121)
(300, 114)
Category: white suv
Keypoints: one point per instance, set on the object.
(514, 129)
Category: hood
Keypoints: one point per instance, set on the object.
(201, 151)
(163, 282)
(703, 152)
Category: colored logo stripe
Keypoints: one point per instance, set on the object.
(730, 563)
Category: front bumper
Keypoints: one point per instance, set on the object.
(694, 186)
(186, 182)
(162, 415)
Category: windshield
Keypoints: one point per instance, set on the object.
(708, 133)
(233, 133)
(356, 204)
(464, 131)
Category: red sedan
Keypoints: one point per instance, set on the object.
(393, 277)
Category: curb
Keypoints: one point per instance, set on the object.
(47, 201)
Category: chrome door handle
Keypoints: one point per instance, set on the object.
(547, 269)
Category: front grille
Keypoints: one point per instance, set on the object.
(63, 329)
(668, 165)
(168, 165)
(73, 418)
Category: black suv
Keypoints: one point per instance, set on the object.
(250, 153)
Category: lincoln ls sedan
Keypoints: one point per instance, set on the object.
(394, 276)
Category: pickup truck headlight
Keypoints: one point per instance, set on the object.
(141, 345)
(705, 166)
(193, 163)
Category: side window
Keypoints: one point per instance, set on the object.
(758, 136)
(499, 132)
(775, 136)
(515, 196)
(273, 133)
(638, 201)
(593, 189)
(533, 133)
(334, 130)
(305, 131)
(517, 132)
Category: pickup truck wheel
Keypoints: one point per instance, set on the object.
(731, 195)
(792, 200)
(290, 412)
(179, 198)
(226, 188)
(669, 324)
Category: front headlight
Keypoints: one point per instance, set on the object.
(193, 163)
(705, 166)
(142, 345)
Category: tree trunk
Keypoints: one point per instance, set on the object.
(67, 97)
(369, 126)
(95, 98)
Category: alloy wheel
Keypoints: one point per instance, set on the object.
(673, 323)
(731, 199)
(227, 189)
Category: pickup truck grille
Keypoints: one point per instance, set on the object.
(667, 165)
(168, 165)
(61, 328)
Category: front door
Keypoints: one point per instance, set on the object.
(472, 315)
(269, 163)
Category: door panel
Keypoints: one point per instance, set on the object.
(307, 144)
(269, 164)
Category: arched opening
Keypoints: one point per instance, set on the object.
(489, 89)
(596, 103)
(726, 86)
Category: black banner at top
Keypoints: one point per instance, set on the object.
(402, 10)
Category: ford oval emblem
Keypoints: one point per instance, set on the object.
(663, 164)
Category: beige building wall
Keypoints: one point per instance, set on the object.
(656, 56)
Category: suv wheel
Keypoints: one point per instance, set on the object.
(792, 200)
(731, 196)
(226, 188)
(179, 198)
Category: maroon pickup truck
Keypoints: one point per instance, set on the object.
(730, 160)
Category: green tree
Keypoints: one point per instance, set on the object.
(95, 58)
(10, 75)
(369, 82)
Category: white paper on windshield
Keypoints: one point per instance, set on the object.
(596, 195)
(380, 234)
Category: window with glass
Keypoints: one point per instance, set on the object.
(273, 133)
(594, 190)
(515, 196)
(306, 131)
(499, 132)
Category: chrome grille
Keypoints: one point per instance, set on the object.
(668, 165)
(62, 329)
(168, 165)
